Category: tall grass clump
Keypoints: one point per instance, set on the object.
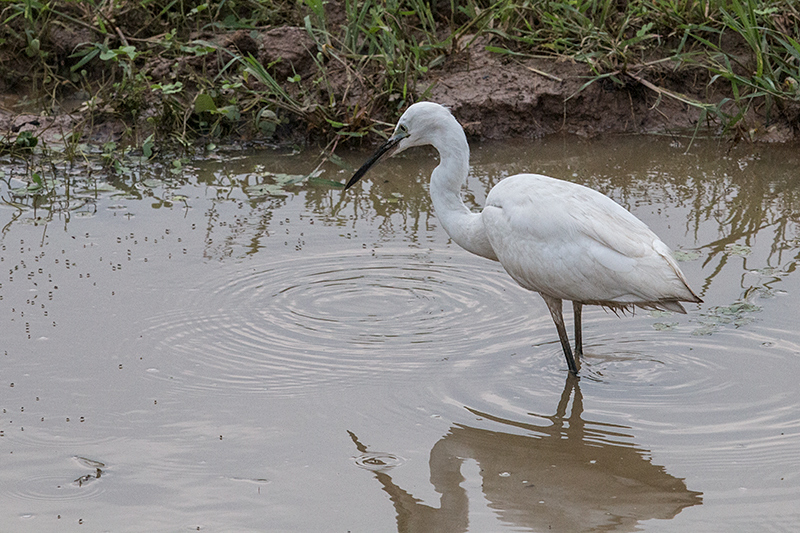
(766, 69)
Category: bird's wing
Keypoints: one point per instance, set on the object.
(572, 242)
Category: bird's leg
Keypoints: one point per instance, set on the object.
(577, 307)
(554, 305)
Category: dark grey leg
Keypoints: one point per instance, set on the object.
(554, 305)
(577, 307)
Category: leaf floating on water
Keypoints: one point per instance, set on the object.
(282, 181)
(287, 179)
(769, 293)
(36, 187)
(661, 326)
(326, 182)
(769, 271)
(685, 255)
(736, 314)
(738, 249)
(738, 308)
(708, 329)
(20, 191)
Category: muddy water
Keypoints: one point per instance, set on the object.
(227, 351)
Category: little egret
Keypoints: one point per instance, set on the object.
(560, 239)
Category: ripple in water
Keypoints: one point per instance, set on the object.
(684, 387)
(54, 488)
(57, 437)
(378, 461)
(334, 319)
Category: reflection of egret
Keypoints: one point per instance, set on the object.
(570, 475)
(562, 240)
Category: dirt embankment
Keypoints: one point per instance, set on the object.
(497, 97)
(493, 95)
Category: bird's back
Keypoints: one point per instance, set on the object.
(573, 243)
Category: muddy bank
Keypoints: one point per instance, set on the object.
(495, 96)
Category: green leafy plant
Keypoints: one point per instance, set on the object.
(747, 50)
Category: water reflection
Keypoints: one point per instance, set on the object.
(715, 198)
(720, 196)
(160, 323)
(569, 475)
(723, 196)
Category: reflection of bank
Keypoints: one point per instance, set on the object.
(570, 475)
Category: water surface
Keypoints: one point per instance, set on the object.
(223, 349)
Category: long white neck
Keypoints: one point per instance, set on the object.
(463, 226)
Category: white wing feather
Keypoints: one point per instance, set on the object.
(574, 243)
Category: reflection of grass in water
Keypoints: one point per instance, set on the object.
(49, 186)
(45, 186)
(737, 314)
(279, 183)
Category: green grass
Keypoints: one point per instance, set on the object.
(749, 50)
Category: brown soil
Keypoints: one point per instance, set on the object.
(496, 97)
(492, 95)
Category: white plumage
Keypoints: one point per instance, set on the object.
(562, 240)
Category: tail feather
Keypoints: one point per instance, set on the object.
(669, 305)
(628, 307)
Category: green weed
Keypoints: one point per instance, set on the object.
(386, 50)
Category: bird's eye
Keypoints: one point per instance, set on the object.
(403, 128)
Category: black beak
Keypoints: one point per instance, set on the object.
(386, 150)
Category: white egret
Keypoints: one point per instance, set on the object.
(560, 239)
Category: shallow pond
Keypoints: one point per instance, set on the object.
(222, 346)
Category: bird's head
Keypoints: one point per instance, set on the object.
(419, 125)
